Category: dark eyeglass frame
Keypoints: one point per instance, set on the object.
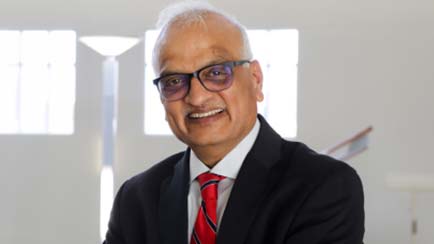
(196, 74)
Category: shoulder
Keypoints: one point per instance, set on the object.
(150, 180)
(314, 168)
(295, 158)
(308, 162)
(135, 206)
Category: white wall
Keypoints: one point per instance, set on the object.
(361, 63)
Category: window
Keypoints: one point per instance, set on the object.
(37, 82)
(277, 52)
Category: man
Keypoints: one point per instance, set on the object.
(238, 181)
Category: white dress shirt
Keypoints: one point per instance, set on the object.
(229, 167)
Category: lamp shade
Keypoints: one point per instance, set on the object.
(109, 46)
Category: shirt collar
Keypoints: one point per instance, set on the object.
(230, 165)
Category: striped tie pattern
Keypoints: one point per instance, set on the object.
(205, 227)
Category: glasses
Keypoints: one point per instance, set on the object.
(214, 78)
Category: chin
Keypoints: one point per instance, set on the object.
(203, 142)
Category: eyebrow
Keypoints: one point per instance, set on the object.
(220, 59)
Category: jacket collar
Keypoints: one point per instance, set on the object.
(250, 186)
(173, 222)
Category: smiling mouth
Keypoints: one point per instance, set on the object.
(205, 114)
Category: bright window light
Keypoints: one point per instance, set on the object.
(276, 51)
(154, 122)
(37, 82)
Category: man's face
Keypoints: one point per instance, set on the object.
(204, 119)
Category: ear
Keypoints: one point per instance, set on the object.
(256, 72)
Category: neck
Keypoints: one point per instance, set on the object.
(211, 155)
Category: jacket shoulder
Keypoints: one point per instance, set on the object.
(150, 180)
(313, 166)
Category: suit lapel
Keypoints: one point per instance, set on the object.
(173, 204)
(250, 186)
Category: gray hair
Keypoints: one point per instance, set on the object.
(190, 12)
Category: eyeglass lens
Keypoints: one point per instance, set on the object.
(214, 78)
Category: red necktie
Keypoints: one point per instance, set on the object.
(205, 228)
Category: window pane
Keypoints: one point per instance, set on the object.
(150, 37)
(285, 46)
(62, 47)
(9, 47)
(61, 99)
(34, 47)
(8, 98)
(277, 52)
(34, 99)
(37, 81)
(281, 99)
(259, 44)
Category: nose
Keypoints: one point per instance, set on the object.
(197, 95)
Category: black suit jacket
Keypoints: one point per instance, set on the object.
(284, 193)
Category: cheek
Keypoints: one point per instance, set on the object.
(240, 102)
(246, 100)
(174, 115)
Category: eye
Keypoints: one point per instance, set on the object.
(172, 81)
(216, 72)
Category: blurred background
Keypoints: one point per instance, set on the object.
(358, 63)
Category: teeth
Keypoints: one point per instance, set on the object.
(203, 115)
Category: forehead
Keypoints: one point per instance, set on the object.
(190, 46)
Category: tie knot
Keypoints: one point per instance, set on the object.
(206, 179)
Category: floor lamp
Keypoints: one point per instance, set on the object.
(110, 47)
